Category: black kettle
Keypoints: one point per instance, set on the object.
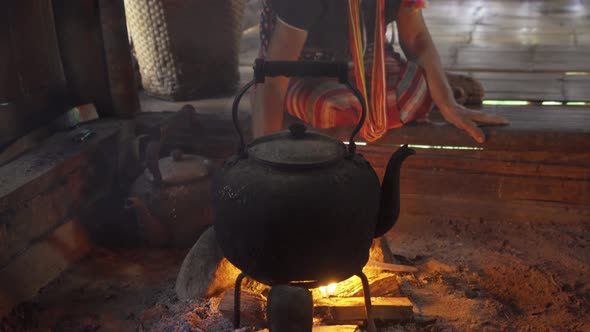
(300, 207)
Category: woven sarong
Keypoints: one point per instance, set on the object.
(324, 103)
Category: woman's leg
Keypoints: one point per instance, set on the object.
(324, 103)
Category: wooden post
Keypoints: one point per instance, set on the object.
(117, 52)
(82, 53)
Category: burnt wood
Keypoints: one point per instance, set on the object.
(252, 307)
(381, 266)
(381, 283)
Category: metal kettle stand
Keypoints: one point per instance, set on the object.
(366, 292)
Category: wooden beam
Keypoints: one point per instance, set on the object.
(530, 129)
(473, 177)
(504, 164)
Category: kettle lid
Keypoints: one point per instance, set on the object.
(181, 168)
(297, 148)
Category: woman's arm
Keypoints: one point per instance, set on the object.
(418, 46)
(286, 43)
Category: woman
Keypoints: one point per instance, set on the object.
(323, 30)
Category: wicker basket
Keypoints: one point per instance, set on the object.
(186, 49)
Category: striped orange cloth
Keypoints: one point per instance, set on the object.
(324, 103)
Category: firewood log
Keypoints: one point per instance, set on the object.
(252, 308)
(380, 284)
(352, 309)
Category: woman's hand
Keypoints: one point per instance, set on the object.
(418, 46)
(468, 120)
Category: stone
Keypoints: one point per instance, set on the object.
(205, 272)
(380, 251)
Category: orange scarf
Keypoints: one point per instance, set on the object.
(376, 123)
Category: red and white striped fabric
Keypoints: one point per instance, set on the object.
(324, 103)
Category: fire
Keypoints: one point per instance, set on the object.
(326, 291)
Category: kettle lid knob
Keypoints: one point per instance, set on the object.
(298, 130)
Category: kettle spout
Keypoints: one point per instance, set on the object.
(390, 191)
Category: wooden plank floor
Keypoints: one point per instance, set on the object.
(520, 50)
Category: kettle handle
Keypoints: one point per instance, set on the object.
(263, 68)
